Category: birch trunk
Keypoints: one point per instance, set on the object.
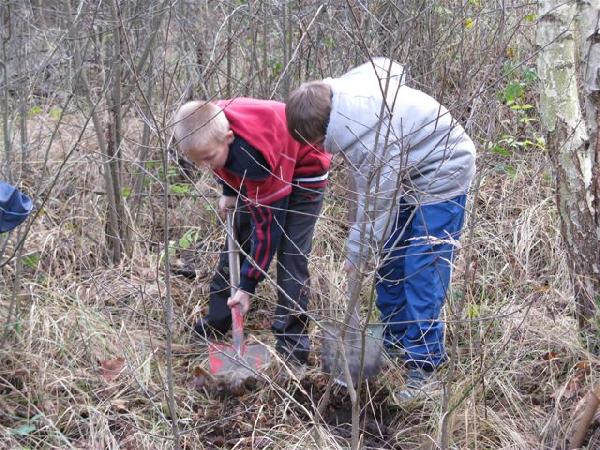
(590, 39)
(573, 157)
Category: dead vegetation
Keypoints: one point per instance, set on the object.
(83, 356)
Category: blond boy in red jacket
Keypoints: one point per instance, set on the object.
(277, 185)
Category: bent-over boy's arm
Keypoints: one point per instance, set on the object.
(373, 213)
(267, 228)
(267, 221)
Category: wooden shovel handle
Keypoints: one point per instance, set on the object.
(237, 329)
(233, 253)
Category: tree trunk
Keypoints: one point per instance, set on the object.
(114, 135)
(573, 157)
(590, 53)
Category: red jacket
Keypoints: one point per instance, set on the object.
(262, 124)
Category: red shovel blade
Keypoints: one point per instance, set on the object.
(239, 360)
(224, 359)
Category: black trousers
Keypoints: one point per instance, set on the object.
(290, 322)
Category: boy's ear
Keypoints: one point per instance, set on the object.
(229, 137)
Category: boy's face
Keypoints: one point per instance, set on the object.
(214, 155)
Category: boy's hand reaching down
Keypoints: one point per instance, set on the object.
(242, 299)
(226, 202)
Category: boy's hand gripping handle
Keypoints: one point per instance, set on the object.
(237, 329)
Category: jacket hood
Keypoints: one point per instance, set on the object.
(261, 123)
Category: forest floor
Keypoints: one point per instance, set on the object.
(83, 363)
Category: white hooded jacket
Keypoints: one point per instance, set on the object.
(407, 147)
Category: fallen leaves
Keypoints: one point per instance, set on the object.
(551, 356)
(110, 369)
(583, 366)
(119, 405)
(200, 379)
(574, 384)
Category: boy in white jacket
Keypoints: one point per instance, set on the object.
(412, 165)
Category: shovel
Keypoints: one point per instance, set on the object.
(341, 342)
(239, 361)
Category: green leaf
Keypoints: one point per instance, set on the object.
(473, 311)
(24, 430)
(509, 141)
(34, 111)
(151, 165)
(513, 91)
(172, 171)
(180, 189)
(540, 142)
(276, 69)
(500, 150)
(188, 238)
(531, 17)
(530, 75)
(55, 112)
(31, 261)
(528, 143)
(507, 169)
(469, 23)
(126, 192)
(521, 107)
(527, 119)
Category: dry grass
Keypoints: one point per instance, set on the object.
(519, 368)
(518, 373)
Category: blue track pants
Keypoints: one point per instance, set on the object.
(415, 276)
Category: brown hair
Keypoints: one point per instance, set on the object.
(198, 124)
(307, 111)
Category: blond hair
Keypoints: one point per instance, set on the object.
(199, 124)
(307, 111)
